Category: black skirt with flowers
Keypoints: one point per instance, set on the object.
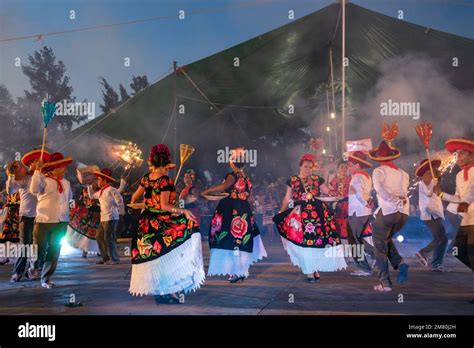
(159, 232)
(308, 224)
(233, 225)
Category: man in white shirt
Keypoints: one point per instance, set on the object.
(391, 185)
(52, 212)
(19, 179)
(464, 196)
(111, 204)
(360, 208)
(432, 214)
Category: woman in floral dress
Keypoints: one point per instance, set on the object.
(9, 232)
(339, 186)
(234, 238)
(307, 228)
(167, 252)
(83, 225)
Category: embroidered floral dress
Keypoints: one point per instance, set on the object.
(234, 237)
(340, 187)
(10, 232)
(83, 225)
(167, 252)
(308, 229)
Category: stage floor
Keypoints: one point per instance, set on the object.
(274, 287)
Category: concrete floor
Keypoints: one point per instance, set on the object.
(275, 287)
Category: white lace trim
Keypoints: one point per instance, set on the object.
(81, 242)
(230, 262)
(179, 270)
(315, 259)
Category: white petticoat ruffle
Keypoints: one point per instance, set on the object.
(181, 269)
(81, 242)
(310, 260)
(235, 263)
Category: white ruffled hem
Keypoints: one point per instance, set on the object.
(229, 262)
(81, 242)
(181, 269)
(310, 260)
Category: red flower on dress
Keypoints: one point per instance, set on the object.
(238, 227)
(314, 214)
(176, 231)
(242, 196)
(240, 185)
(293, 228)
(216, 224)
(154, 224)
(157, 247)
(144, 226)
(304, 215)
(134, 253)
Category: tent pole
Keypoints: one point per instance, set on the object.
(343, 113)
(175, 67)
(333, 99)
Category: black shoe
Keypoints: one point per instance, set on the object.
(235, 279)
(166, 299)
(311, 280)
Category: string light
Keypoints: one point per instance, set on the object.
(328, 128)
(333, 115)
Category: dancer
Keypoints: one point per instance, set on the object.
(19, 180)
(339, 186)
(307, 226)
(464, 196)
(111, 203)
(9, 232)
(52, 213)
(432, 214)
(167, 252)
(188, 196)
(234, 238)
(83, 225)
(360, 210)
(391, 185)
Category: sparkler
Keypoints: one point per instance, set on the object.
(130, 155)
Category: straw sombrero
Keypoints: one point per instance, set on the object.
(424, 166)
(384, 153)
(106, 174)
(455, 144)
(34, 155)
(360, 158)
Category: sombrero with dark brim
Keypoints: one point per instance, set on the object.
(424, 166)
(453, 145)
(57, 160)
(359, 157)
(34, 155)
(384, 153)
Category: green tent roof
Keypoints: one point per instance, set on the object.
(288, 65)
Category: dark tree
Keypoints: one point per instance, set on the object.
(48, 81)
(138, 83)
(7, 114)
(123, 94)
(110, 97)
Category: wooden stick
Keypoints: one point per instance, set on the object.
(44, 142)
(177, 174)
(429, 162)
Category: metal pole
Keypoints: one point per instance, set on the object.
(333, 99)
(175, 67)
(343, 113)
